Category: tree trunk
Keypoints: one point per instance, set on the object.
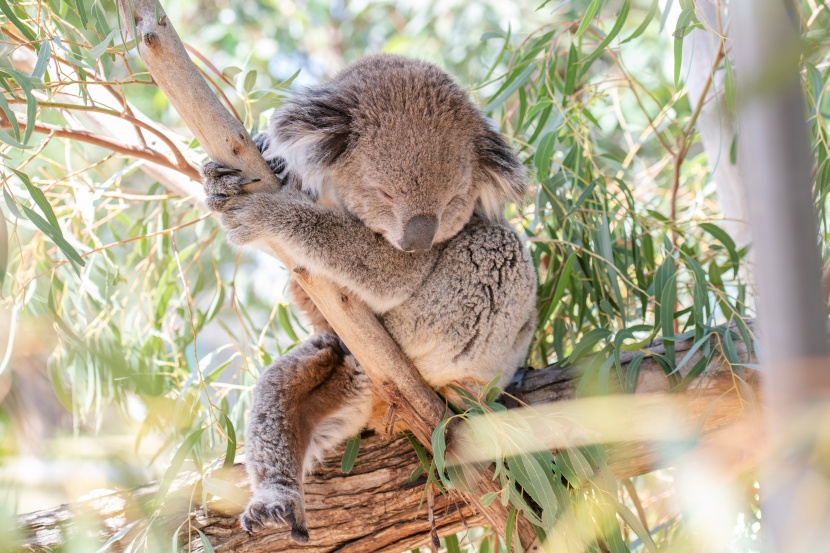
(375, 508)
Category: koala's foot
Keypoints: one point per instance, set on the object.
(275, 505)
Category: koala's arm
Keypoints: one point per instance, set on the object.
(324, 241)
(333, 244)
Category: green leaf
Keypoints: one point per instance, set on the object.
(25, 83)
(285, 322)
(517, 79)
(587, 18)
(644, 25)
(721, 235)
(683, 22)
(667, 301)
(230, 451)
(79, 6)
(206, 546)
(350, 455)
(615, 30)
(730, 87)
(40, 199)
(250, 80)
(98, 50)
(451, 543)
(7, 111)
(55, 236)
(175, 465)
(24, 29)
(42, 59)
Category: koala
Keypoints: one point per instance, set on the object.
(394, 186)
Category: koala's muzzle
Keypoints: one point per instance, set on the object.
(419, 233)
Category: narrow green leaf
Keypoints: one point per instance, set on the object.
(285, 322)
(250, 80)
(230, 451)
(24, 29)
(516, 80)
(40, 199)
(721, 235)
(652, 10)
(206, 546)
(175, 465)
(54, 235)
(730, 87)
(451, 543)
(587, 18)
(350, 455)
(98, 50)
(7, 111)
(668, 299)
(79, 6)
(42, 59)
(615, 30)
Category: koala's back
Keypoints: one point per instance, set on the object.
(474, 315)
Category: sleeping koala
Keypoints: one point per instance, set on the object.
(394, 186)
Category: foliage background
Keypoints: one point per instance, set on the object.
(133, 329)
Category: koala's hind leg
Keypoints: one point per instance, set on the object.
(306, 402)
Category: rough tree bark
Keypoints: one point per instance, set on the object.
(375, 509)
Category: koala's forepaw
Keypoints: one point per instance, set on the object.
(274, 506)
(221, 180)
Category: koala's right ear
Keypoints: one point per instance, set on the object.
(312, 130)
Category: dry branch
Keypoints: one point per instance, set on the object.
(374, 509)
(223, 137)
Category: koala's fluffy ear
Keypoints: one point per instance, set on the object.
(504, 177)
(312, 130)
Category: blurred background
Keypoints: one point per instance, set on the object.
(128, 327)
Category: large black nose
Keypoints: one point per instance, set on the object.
(419, 233)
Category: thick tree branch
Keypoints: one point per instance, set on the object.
(374, 509)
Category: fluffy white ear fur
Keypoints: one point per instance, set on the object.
(302, 157)
(498, 189)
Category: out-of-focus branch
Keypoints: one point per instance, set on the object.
(104, 142)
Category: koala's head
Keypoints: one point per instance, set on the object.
(402, 147)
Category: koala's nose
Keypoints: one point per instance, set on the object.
(419, 233)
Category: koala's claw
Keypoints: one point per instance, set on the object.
(223, 180)
(282, 506)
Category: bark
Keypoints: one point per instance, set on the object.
(374, 508)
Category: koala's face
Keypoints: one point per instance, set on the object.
(414, 187)
(401, 147)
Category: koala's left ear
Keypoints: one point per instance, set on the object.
(504, 177)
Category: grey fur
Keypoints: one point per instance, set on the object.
(462, 310)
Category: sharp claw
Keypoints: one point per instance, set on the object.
(276, 517)
(229, 171)
(249, 181)
(245, 523)
(256, 516)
